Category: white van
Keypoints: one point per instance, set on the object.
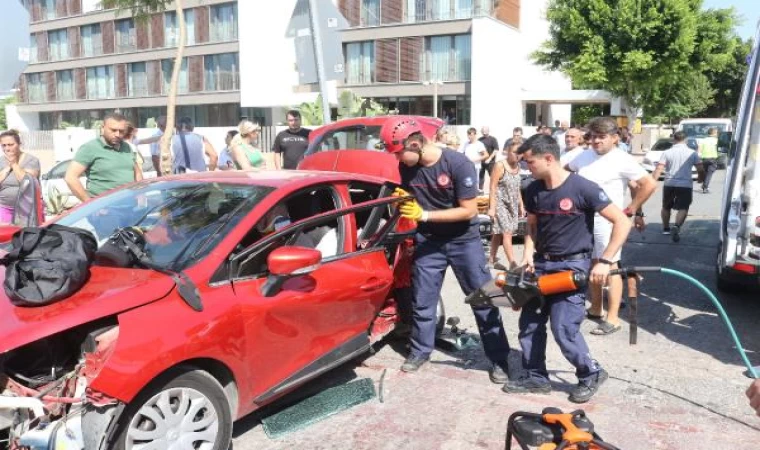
(739, 250)
(696, 129)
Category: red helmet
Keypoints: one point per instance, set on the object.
(395, 132)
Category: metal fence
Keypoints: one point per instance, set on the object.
(37, 140)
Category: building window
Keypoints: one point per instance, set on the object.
(360, 62)
(370, 12)
(58, 44)
(425, 10)
(36, 87)
(33, 51)
(92, 40)
(126, 39)
(171, 36)
(137, 83)
(64, 85)
(100, 82)
(167, 66)
(224, 24)
(222, 72)
(448, 58)
(48, 8)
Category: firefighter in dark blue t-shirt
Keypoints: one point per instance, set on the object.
(561, 208)
(445, 186)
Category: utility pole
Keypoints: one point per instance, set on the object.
(435, 84)
(316, 38)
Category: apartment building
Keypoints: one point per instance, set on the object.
(474, 54)
(86, 61)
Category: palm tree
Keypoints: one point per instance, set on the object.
(141, 10)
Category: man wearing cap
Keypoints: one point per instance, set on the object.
(444, 186)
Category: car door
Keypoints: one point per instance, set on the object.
(315, 321)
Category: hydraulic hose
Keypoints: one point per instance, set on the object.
(632, 271)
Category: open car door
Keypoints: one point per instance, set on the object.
(302, 314)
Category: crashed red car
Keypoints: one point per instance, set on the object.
(297, 272)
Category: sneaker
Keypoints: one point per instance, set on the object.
(413, 363)
(676, 235)
(499, 372)
(666, 231)
(586, 389)
(527, 386)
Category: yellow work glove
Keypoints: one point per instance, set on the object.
(411, 210)
(398, 192)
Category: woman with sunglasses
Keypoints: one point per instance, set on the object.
(244, 152)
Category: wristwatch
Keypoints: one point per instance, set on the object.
(640, 214)
(606, 261)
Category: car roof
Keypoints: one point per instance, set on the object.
(427, 122)
(272, 178)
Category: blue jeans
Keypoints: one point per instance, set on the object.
(566, 311)
(468, 261)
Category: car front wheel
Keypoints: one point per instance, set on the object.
(186, 409)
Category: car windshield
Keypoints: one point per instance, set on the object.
(181, 220)
(699, 130)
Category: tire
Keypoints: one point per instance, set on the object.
(187, 391)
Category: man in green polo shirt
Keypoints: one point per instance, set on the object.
(107, 162)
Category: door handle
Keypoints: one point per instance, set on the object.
(374, 284)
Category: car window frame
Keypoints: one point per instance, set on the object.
(375, 244)
(315, 146)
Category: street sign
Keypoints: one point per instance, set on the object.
(14, 46)
(330, 26)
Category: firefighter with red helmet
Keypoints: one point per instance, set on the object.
(444, 185)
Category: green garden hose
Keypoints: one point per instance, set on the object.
(632, 271)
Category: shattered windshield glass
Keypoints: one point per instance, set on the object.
(179, 219)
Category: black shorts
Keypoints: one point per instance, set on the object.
(676, 197)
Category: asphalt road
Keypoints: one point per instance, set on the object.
(681, 387)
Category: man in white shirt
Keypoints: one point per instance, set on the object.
(573, 148)
(614, 170)
(560, 133)
(474, 150)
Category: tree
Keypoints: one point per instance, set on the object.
(141, 10)
(636, 49)
(3, 103)
(727, 80)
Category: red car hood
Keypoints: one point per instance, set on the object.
(109, 291)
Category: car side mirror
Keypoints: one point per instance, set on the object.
(289, 262)
(724, 141)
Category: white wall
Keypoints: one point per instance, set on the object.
(495, 93)
(21, 121)
(267, 58)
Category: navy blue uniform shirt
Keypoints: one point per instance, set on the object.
(441, 186)
(565, 214)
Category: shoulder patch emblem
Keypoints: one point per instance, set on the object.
(468, 182)
(565, 204)
(443, 180)
(603, 196)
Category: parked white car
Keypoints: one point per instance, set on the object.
(54, 186)
(652, 158)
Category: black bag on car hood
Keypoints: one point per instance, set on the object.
(47, 264)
